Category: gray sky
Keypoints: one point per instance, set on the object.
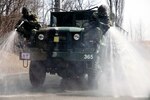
(136, 15)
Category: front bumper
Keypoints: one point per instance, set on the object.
(74, 56)
(37, 54)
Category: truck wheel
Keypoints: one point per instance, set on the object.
(92, 76)
(82, 82)
(37, 73)
(92, 80)
(63, 84)
(68, 84)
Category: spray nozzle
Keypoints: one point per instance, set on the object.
(121, 28)
(19, 25)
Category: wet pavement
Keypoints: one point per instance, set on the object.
(18, 87)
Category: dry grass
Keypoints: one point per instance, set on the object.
(146, 44)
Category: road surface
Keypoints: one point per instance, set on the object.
(18, 87)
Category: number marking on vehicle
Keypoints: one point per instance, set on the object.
(88, 56)
(24, 56)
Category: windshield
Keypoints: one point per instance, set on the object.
(71, 19)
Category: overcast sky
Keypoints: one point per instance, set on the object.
(136, 13)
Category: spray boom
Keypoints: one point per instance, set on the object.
(19, 25)
(122, 29)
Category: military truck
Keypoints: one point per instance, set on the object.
(68, 47)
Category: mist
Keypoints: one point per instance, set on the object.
(124, 67)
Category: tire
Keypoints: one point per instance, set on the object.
(82, 83)
(37, 73)
(72, 84)
(92, 78)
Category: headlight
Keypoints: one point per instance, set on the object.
(34, 31)
(76, 36)
(41, 37)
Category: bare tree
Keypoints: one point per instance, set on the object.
(10, 12)
(77, 4)
(116, 11)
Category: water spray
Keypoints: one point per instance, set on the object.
(125, 71)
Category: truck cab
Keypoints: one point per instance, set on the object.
(68, 47)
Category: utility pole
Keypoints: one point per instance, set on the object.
(57, 5)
